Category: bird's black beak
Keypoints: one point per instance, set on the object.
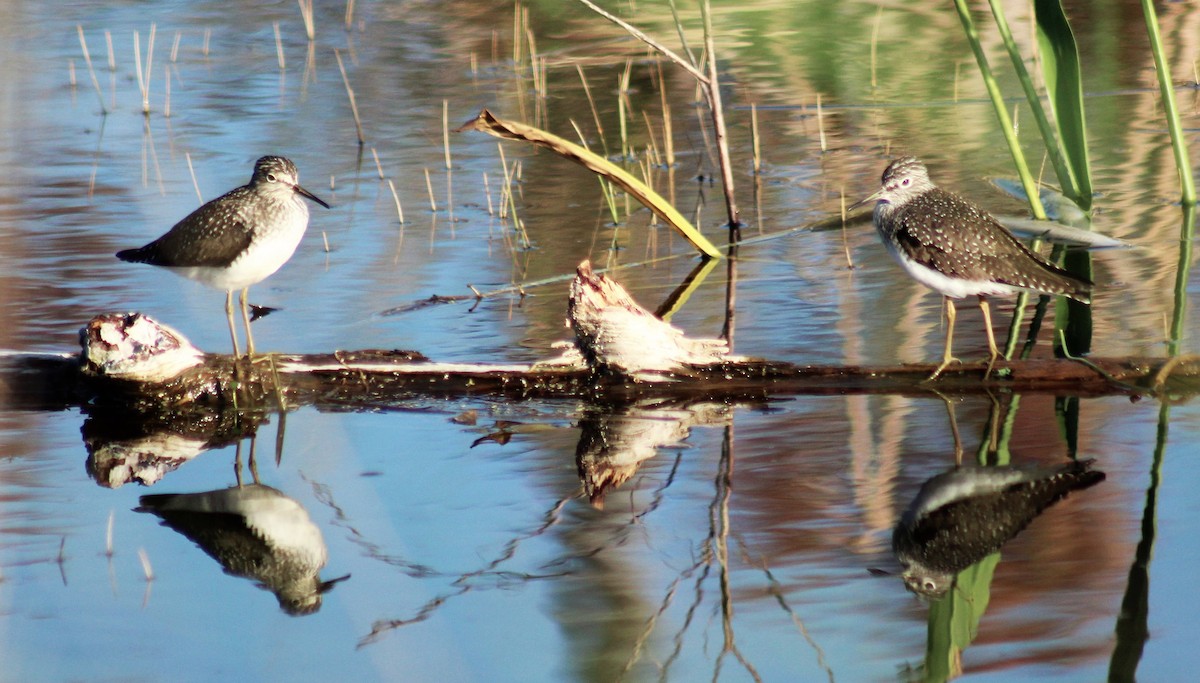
(874, 195)
(305, 193)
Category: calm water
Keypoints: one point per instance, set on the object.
(473, 552)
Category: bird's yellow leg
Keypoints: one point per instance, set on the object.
(947, 358)
(232, 328)
(246, 319)
(992, 350)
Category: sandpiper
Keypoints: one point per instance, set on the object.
(952, 246)
(237, 239)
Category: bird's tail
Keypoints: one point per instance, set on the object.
(138, 255)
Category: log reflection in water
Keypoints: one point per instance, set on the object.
(614, 442)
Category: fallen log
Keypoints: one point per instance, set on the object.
(621, 353)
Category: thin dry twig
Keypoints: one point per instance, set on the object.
(636, 33)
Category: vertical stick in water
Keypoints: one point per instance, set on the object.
(396, 197)
(378, 166)
(143, 74)
(306, 13)
(754, 135)
(821, 124)
(112, 57)
(446, 131)
(87, 59)
(188, 156)
(279, 47)
(429, 187)
(350, 94)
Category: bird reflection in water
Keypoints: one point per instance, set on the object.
(965, 514)
(256, 532)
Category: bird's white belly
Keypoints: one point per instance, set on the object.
(265, 256)
(953, 287)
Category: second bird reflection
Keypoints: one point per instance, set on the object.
(255, 532)
(965, 514)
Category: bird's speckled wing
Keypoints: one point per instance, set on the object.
(211, 236)
(939, 230)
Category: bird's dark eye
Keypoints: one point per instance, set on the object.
(906, 182)
(271, 177)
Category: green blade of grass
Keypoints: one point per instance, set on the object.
(510, 130)
(1178, 143)
(1006, 127)
(1064, 84)
(1064, 172)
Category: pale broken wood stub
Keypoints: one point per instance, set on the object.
(135, 347)
(615, 334)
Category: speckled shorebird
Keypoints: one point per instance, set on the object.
(237, 239)
(950, 245)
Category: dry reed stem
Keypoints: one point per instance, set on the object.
(192, 172)
(664, 50)
(378, 166)
(112, 55)
(623, 107)
(279, 47)
(529, 40)
(487, 191)
(396, 198)
(668, 137)
(350, 94)
(845, 241)
(821, 124)
(108, 533)
(595, 113)
(87, 59)
(349, 15)
(429, 187)
(756, 141)
(713, 89)
(450, 201)
(306, 13)
(147, 570)
(652, 149)
(516, 56)
(175, 46)
(143, 75)
(446, 131)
